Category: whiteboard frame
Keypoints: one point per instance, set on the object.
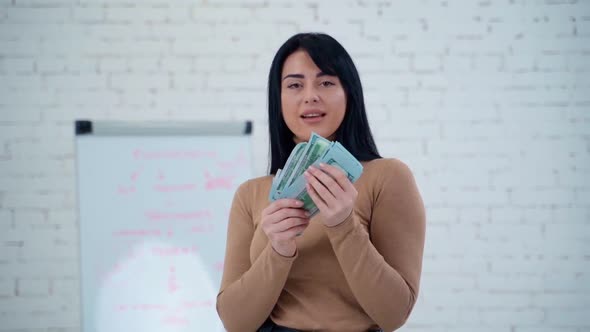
(84, 128)
(152, 128)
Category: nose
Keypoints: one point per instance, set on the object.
(311, 95)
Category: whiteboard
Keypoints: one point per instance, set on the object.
(153, 206)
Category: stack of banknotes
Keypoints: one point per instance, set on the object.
(289, 182)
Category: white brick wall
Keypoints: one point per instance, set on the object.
(487, 101)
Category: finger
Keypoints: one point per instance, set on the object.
(338, 175)
(327, 181)
(283, 203)
(320, 189)
(286, 224)
(316, 198)
(291, 233)
(286, 213)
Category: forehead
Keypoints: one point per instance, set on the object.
(299, 62)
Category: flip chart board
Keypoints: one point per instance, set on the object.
(153, 204)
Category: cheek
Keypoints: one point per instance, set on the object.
(339, 102)
(288, 101)
(289, 110)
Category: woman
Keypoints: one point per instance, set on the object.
(356, 265)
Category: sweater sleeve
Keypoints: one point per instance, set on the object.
(383, 268)
(248, 291)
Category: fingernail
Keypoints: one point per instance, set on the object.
(322, 165)
(299, 203)
(307, 214)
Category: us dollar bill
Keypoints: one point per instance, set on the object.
(296, 154)
(315, 149)
(335, 154)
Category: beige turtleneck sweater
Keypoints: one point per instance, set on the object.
(361, 274)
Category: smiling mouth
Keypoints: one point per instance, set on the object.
(313, 115)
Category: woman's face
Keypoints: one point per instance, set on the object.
(310, 99)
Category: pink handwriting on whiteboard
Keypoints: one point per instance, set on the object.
(168, 188)
(192, 215)
(140, 154)
(176, 321)
(134, 176)
(141, 307)
(174, 251)
(209, 228)
(172, 286)
(238, 162)
(126, 190)
(198, 304)
(220, 182)
(137, 233)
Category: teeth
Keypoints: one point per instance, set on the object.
(312, 115)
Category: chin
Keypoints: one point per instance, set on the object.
(322, 133)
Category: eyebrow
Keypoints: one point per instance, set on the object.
(320, 74)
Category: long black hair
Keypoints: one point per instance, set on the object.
(354, 132)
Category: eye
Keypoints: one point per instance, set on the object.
(327, 83)
(293, 85)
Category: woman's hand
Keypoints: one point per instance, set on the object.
(332, 192)
(282, 221)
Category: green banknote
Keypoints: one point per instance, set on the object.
(315, 149)
(275, 181)
(280, 180)
(335, 155)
